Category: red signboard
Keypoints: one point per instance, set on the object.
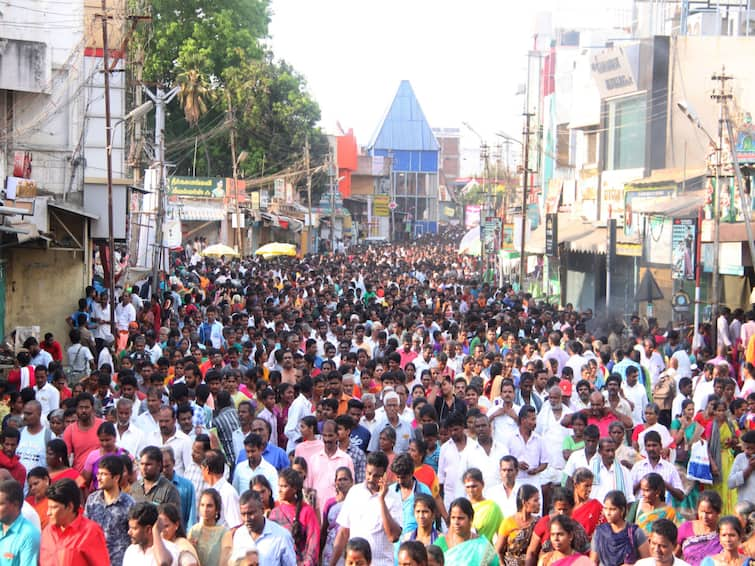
(22, 164)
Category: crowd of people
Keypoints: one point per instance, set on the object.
(381, 406)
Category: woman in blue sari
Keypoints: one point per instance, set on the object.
(462, 547)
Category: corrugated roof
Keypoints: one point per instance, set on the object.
(404, 127)
(201, 213)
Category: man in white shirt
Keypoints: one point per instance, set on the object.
(609, 475)
(47, 394)
(254, 465)
(125, 313)
(170, 435)
(148, 548)
(722, 328)
(555, 352)
(635, 393)
(128, 437)
(369, 514)
(576, 359)
(504, 414)
(581, 458)
(663, 543)
(301, 407)
(504, 494)
(213, 471)
(651, 359)
(32, 446)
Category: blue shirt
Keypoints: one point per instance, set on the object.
(360, 437)
(272, 454)
(19, 545)
(188, 500)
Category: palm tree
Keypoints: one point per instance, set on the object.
(193, 91)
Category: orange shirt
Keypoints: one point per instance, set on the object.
(41, 509)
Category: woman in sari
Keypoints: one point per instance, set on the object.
(731, 534)
(344, 483)
(575, 441)
(462, 547)
(487, 514)
(617, 542)
(260, 484)
(699, 538)
(540, 542)
(423, 472)
(587, 512)
(515, 532)
(57, 463)
(653, 504)
(212, 541)
(297, 518)
(563, 554)
(686, 431)
(723, 437)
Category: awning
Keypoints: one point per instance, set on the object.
(659, 177)
(593, 242)
(683, 205)
(201, 213)
(72, 208)
(570, 229)
(283, 222)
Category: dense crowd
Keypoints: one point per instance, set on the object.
(381, 406)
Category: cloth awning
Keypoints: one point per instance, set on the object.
(570, 229)
(592, 242)
(683, 205)
(201, 213)
(283, 222)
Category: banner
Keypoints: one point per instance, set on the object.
(683, 248)
(551, 234)
(472, 215)
(199, 187)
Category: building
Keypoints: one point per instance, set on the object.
(405, 137)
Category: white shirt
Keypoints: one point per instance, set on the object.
(135, 556)
(703, 390)
(361, 514)
(103, 328)
(503, 425)
(474, 456)
(124, 314)
(553, 434)
(577, 459)
(148, 425)
(638, 396)
(49, 397)
(244, 473)
(300, 408)
(684, 365)
(506, 502)
(607, 480)
(105, 357)
(32, 448)
(229, 498)
(132, 440)
(448, 469)
(181, 445)
(43, 358)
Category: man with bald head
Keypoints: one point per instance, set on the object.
(600, 415)
(32, 446)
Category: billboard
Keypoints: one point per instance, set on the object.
(683, 248)
(198, 187)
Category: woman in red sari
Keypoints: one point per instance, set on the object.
(587, 512)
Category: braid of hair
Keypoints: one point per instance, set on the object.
(296, 528)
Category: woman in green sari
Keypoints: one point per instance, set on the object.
(652, 506)
(487, 514)
(460, 546)
(686, 431)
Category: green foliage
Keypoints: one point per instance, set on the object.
(212, 49)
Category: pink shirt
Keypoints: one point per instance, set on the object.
(81, 443)
(322, 474)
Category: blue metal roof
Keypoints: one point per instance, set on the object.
(404, 127)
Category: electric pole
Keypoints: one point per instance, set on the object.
(109, 156)
(522, 257)
(235, 176)
(161, 100)
(331, 174)
(309, 189)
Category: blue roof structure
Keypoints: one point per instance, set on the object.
(404, 127)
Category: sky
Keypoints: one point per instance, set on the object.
(464, 59)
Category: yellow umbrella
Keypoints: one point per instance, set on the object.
(217, 250)
(274, 249)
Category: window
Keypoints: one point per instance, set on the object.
(626, 133)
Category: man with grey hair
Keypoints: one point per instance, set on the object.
(128, 437)
(391, 419)
(368, 419)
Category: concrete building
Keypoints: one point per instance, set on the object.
(52, 156)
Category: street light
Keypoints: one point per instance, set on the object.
(691, 115)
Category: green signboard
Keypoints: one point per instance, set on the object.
(199, 187)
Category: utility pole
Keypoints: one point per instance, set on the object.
(522, 257)
(239, 248)
(331, 165)
(720, 96)
(109, 166)
(161, 99)
(484, 260)
(309, 189)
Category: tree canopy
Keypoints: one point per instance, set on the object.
(214, 51)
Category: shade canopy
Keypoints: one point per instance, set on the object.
(275, 249)
(219, 250)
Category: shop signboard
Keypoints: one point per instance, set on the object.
(551, 234)
(197, 187)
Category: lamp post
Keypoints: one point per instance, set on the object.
(717, 144)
